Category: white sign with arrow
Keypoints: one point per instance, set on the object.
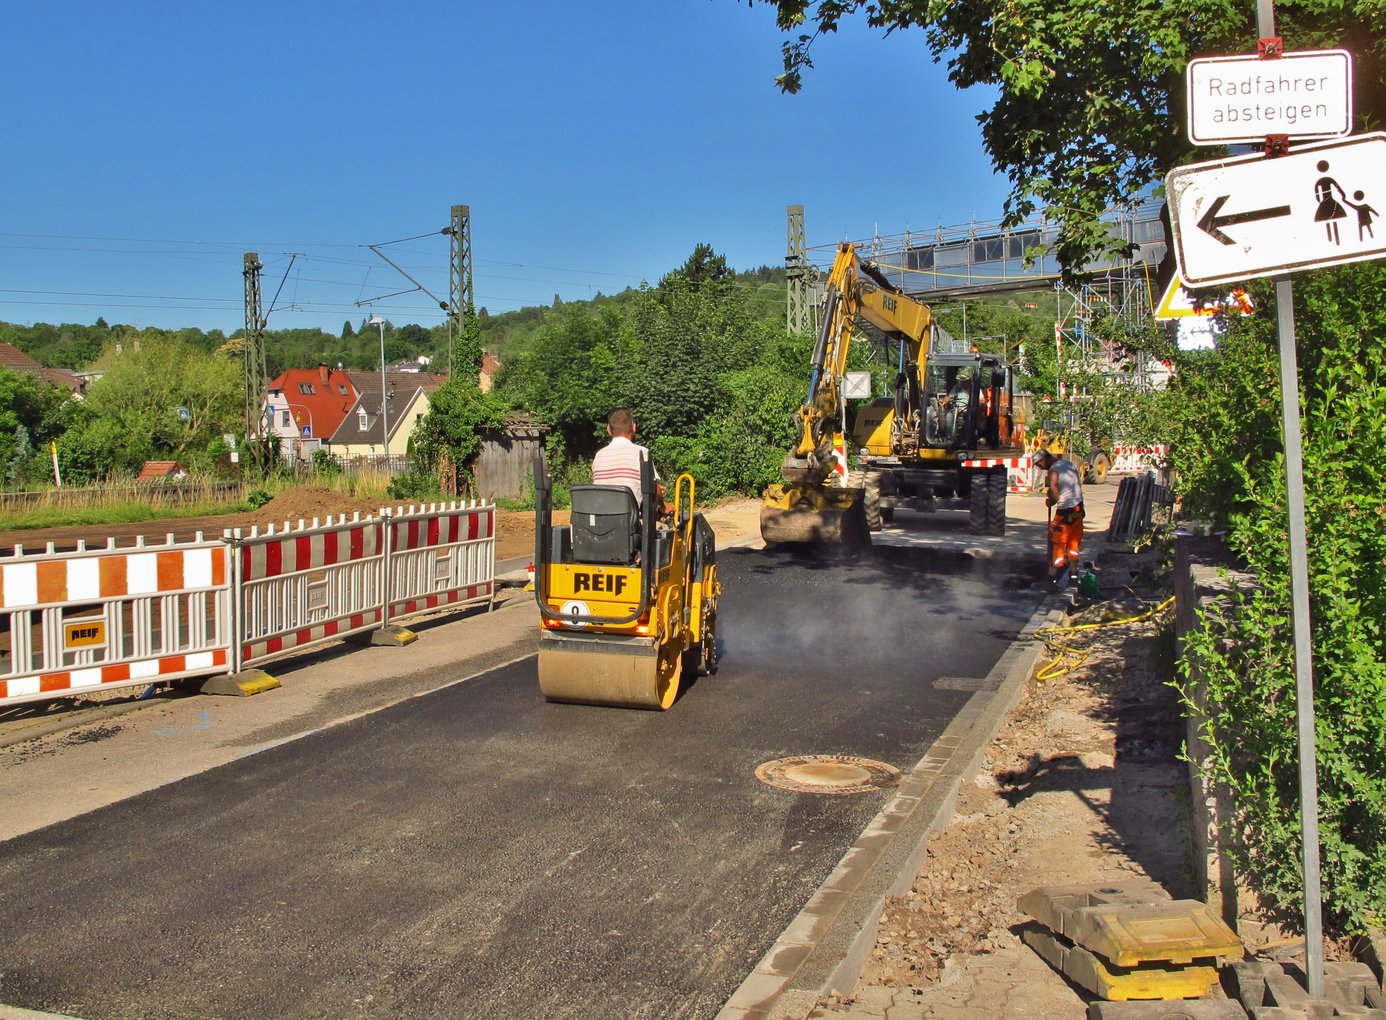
(1249, 216)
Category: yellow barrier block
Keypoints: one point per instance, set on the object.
(1151, 981)
(1133, 923)
(239, 685)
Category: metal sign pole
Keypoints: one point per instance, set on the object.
(1304, 655)
(1299, 595)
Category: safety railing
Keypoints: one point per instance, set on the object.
(1130, 459)
(300, 586)
(439, 555)
(100, 619)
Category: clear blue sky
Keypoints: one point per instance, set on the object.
(150, 144)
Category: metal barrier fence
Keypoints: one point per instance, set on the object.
(101, 619)
(1130, 459)
(440, 555)
(300, 586)
(1133, 513)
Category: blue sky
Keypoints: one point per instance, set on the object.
(150, 144)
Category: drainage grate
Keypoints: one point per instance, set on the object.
(827, 773)
(966, 683)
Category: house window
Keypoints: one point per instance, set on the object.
(306, 388)
(341, 388)
(284, 421)
(361, 421)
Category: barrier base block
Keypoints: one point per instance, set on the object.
(392, 637)
(238, 685)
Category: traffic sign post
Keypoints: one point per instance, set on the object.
(1303, 95)
(1248, 216)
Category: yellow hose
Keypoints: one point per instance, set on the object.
(1078, 657)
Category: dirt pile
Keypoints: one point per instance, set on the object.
(305, 503)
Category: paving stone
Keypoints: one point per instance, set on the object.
(1198, 1009)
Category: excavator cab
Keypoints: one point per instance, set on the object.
(627, 602)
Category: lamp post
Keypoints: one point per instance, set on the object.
(376, 320)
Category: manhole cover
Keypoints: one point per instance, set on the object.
(827, 773)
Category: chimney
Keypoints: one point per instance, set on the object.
(322, 372)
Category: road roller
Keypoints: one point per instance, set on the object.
(627, 594)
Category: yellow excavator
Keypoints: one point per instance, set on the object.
(627, 601)
(946, 431)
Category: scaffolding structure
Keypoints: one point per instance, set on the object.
(979, 259)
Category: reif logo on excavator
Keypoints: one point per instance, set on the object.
(612, 584)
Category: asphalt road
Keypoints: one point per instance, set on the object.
(476, 852)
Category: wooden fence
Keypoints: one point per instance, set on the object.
(156, 493)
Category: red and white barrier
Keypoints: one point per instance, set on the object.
(1130, 459)
(104, 619)
(108, 618)
(439, 556)
(1020, 473)
(299, 586)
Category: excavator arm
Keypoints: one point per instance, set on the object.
(855, 292)
(806, 508)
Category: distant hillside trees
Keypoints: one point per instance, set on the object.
(701, 369)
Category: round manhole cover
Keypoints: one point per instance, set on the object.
(827, 773)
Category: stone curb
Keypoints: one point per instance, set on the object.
(827, 945)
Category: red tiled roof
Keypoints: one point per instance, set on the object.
(327, 405)
(15, 360)
(159, 469)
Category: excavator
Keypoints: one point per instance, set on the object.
(627, 598)
(945, 432)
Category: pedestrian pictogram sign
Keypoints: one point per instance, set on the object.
(1179, 303)
(1249, 216)
(1304, 95)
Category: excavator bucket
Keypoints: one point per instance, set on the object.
(814, 515)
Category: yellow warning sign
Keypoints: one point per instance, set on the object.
(84, 633)
(1179, 303)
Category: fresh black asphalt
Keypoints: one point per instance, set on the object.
(476, 852)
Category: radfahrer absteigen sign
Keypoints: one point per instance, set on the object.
(1304, 95)
(1249, 216)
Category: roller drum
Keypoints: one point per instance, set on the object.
(622, 672)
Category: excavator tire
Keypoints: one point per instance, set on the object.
(871, 501)
(988, 505)
(622, 673)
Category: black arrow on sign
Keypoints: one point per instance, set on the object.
(1211, 222)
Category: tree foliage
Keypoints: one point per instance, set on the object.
(1090, 107)
(161, 399)
(1228, 445)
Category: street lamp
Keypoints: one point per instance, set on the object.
(376, 320)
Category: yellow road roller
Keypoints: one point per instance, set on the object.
(627, 602)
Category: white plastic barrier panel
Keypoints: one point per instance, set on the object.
(440, 555)
(1019, 474)
(1130, 459)
(305, 585)
(107, 618)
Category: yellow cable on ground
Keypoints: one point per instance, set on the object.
(1052, 670)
